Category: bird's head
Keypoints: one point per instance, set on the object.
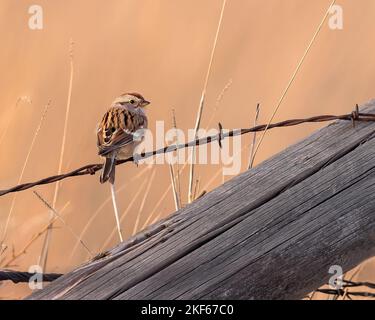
(131, 100)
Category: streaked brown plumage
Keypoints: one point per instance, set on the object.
(119, 132)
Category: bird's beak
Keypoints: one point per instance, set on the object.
(145, 103)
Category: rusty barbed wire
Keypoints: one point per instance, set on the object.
(351, 284)
(91, 169)
(21, 276)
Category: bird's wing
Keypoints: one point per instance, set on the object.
(117, 140)
(117, 129)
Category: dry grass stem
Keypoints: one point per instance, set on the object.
(217, 102)
(293, 76)
(33, 239)
(47, 239)
(115, 209)
(124, 215)
(174, 188)
(196, 189)
(354, 274)
(101, 207)
(178, 173)
(141, 207)
(251, 156)
(6, 127)
(157, 217)
(75, 235)
(36, 133)
(160, 201)
(222, 93)
(172, 174)
(216, 175)
(201, 103)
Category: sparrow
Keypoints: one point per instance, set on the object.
(120, 131)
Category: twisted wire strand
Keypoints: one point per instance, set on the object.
(20, 276)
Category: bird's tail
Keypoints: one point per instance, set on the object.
(108, 172)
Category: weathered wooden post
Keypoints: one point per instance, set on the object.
(271, 233)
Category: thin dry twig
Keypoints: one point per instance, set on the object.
(201, 103)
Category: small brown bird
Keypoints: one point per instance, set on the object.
(120, 131)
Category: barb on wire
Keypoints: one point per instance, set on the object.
(220, 135)
(20, 276)
(93, 168)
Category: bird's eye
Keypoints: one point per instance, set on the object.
(132, 101)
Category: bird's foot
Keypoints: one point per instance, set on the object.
(136, 159)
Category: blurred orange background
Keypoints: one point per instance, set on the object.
(160, 48)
